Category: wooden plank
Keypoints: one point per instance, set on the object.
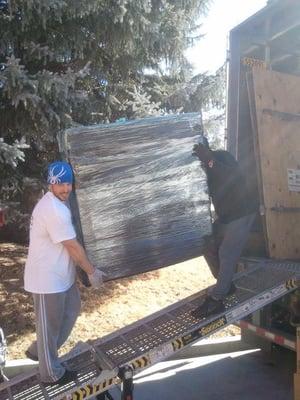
(142, 196)
(245, 144)
(279, 152)
(296, 386)
(255, 138)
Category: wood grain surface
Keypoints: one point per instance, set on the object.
(142, 197)
(277, 103)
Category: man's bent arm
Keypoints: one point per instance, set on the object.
(78, 255)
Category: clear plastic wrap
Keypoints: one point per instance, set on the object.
(142, 197)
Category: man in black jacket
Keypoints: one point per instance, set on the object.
(235, 209)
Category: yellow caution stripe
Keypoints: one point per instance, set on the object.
(140, 362)
(177, 344)
(291, 284)
(88, 390)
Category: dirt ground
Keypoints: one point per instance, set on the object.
(119, 303)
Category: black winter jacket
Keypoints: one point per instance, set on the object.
(228, 188)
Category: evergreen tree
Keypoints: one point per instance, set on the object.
(202, 93)
(65, 62)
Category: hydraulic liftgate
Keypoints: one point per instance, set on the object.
(104, 362)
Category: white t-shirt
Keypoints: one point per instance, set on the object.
(49, 267)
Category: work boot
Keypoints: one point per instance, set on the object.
(208, 307)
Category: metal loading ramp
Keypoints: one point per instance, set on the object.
(100, 362)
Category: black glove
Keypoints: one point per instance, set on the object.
(202, 152)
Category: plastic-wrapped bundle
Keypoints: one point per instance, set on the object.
(141, 195)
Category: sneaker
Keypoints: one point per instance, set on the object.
(67, 377)
(208, 307)
(32, 357)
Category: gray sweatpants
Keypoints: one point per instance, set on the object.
(224, 251)
(55, 314)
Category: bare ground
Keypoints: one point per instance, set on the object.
(118, 304)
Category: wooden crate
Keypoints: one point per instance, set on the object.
(142, 196)
(275, 108)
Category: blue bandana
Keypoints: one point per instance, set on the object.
(59, 172)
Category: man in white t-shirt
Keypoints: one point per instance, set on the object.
(50, 274)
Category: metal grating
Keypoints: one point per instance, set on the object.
(239, 296)
(166, 326)
(274, 264)
(87, 374)
(80, 361)
(178, 320)
(55, 390)
(263, 278)
(33, 392)
(232, 300)
(182, 314)
(143, 339)
(118, 351)
(288, 266)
